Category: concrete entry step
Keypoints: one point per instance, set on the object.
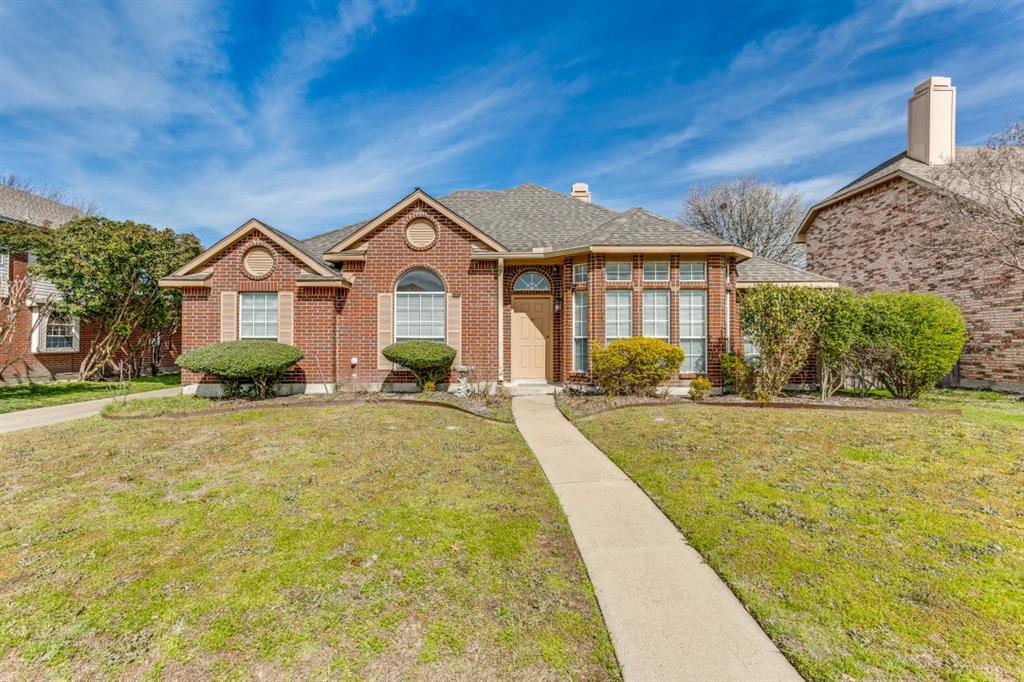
(531, 387)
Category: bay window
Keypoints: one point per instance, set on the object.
(618, 314)
(656, 313)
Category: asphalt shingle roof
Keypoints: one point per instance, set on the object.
(640, 227)
(759, 269)
(322, 242)
(16, 204)
(900, 162)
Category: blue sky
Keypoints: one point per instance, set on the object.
(310, 115)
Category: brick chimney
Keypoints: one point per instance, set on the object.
(931, 121)
(581, 191)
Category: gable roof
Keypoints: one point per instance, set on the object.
(757, 270)
(17, 204)
(416, 195)
(900, 165)
(285, 241)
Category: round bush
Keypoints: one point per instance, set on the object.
(917, 339)
(429, 361)
(700, 388)
(635, 365)
(261, 363)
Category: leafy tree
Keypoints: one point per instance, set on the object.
(784, 323)
(760, 216)
(108, 272)
(917, 339)
(19, 237)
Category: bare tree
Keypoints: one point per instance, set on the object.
(983, 199)
(15, 302)
(758, 215)
(61, 196)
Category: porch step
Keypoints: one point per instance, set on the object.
(516, 388)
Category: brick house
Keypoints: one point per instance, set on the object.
(871, 236)
(521, 282)
(44, 345)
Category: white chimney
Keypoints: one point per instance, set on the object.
(931, 121)
(581, 191)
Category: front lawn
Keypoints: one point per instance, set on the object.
(26, 396)
(869, 546)
(352, 542)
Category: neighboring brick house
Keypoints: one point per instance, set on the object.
(43, 346)
(521, 282)
(885, 232)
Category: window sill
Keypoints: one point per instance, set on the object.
(54, 351)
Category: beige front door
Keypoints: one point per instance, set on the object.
(531, 337)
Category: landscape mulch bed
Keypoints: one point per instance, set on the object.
(853, 405)
(304, 402)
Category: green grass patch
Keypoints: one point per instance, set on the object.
(868, 545)
(26, 396)
(345, 542)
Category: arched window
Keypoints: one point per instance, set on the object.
(419, 307)
(532, 281)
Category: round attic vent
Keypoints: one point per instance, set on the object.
(258, 262)
(421, 233)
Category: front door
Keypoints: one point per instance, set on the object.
(531, 337)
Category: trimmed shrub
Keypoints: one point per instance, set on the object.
(915, 338)
(783, 322)
(261, 363)
(635, 365)
(842, 320)
(429, 361)
(700, 388)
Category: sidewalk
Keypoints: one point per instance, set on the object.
(44, 416)
(670, 616)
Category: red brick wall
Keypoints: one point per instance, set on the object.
(48, 365)
(874, 242)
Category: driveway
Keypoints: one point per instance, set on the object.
(670, 616)
(44, 416)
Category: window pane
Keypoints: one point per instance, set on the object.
(419, 315)
(258, 315)
(656, 313)
(618, 314)
(532, 281)
(694, 355)
(579, 273)
(691, 271)
(420, 281)
(579, 355)
(619, 271)
(656, 271)
(693, 329)
(580, 330)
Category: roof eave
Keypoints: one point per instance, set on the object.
(786, 283)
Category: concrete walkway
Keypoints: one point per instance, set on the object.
(44, 416)
(670, 616)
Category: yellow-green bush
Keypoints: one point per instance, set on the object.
(635, 365)
(700, 388)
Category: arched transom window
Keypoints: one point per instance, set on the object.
(532, 281)
(419, 307)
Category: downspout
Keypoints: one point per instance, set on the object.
(728, 306)
(501, 321)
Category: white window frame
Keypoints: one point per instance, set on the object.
(243, 296)
(5, 274)
(689, 273)
(38, 342)
(656, 306)
(580, 273)
(687, 327)
(438, 303)
(580, 331)
(618, 265)
(615, 324)
(653, 271)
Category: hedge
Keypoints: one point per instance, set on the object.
(635, 365)
(261, 363)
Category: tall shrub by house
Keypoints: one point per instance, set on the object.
(842, 319)
(783, 322)
(429, 361)
(635, 366)
(915, 339)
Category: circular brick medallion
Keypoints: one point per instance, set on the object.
(258, 262)
(420, 234)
